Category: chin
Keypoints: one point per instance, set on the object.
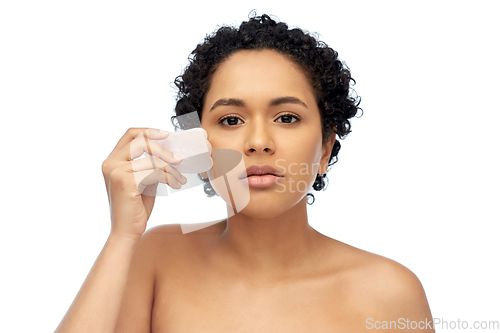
(260, 212)
(265, 208)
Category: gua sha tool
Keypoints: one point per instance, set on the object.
(192, 146)
(223, 167)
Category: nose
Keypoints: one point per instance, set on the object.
(259, 139)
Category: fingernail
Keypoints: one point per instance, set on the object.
(163, 132)
(178, 158)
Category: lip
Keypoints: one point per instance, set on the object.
(261, 181)
(260, 170)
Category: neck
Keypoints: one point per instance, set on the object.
(270, 248)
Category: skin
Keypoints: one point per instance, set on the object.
(265, 269)
(271, 238)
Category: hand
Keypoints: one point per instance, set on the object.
(126, 180)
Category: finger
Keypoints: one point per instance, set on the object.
(132, 133)
(151, 177)
(153, 162)
(143, 144)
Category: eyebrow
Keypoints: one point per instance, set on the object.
(273, 102)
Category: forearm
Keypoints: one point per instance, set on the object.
(97, 304)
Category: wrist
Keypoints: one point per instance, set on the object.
(122, 238)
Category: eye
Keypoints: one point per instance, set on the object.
(231, 120)
(287, 118)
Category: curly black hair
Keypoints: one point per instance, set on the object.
(329, 76)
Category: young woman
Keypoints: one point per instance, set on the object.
(279, 97)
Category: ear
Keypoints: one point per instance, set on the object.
(327, 151)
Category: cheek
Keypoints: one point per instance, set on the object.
(308, 148)
(303, 160)
(211, 135)
(217, 142)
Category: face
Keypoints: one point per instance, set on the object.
(262, 105)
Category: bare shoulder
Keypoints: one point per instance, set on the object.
(176, 231)
(380, 274)
(163, 240)
(381, 288)
(160, 235)
(168, 239)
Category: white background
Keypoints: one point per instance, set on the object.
(417, 179)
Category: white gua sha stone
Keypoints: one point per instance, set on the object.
(192, 146)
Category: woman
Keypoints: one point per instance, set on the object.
(279, 98)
